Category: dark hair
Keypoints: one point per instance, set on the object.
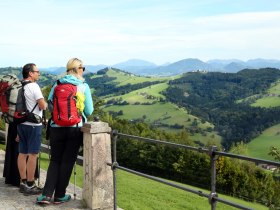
(26, 69)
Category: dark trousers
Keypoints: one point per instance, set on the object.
(11, 172)
(65, 144)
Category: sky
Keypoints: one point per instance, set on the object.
(50, 32)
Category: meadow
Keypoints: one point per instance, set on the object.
(166, 114)
(259, 147)
(271, 98)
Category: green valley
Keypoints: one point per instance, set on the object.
(148, 104)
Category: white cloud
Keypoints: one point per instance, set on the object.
(50, 32)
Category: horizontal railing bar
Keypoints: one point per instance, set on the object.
(164, 142)
(163, 181)
(232, 204)
(256, 160)
(45, 148)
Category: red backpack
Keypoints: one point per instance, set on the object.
(12, 99)
(65, 112)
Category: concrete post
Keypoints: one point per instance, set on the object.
(98, 189)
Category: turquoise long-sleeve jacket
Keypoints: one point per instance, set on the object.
(81, 87)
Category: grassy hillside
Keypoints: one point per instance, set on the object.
(148, 104)
(271, 98)
(124, 78)
(140, 95)
(164, 114)
(136, 192)
(259, 147)
(158, 113)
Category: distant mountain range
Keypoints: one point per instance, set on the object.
(146, 68)
(60, 70)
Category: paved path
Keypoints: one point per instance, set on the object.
(11, 199)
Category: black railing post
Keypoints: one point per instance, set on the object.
(213, 193)
(115, 163)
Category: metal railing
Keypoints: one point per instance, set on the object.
(46, 149)
(212, 152)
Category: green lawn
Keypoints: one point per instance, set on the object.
(259, 147)
(138, 193)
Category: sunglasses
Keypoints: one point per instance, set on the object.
(36, 72)
(84, 68)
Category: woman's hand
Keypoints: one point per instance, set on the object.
(17, 138)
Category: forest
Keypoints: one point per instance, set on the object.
(213, 97)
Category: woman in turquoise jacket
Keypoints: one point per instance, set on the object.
(65, 141)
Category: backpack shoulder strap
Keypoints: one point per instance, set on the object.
(34, 107)
(58, 82)
(25, 82)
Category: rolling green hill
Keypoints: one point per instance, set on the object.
(124, 78)
(141, 99)
(142, 95)
(212, 96)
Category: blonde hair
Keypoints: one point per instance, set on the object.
(72, 67)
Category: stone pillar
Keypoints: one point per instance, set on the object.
(98, 191)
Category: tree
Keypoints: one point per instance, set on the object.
(274, 152)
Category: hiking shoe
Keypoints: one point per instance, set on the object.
(64, 199)
(21, 187)
(43, 200)
(32, 190)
